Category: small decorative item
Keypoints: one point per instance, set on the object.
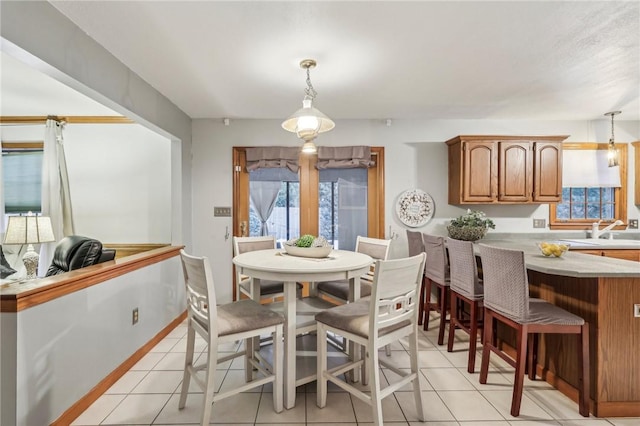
(414, 208)
(308, 246)
(471, 226)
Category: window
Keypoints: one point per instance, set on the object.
(580, 207)
(22, 176)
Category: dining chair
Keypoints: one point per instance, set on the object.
(217, 325)
(466, 290)
(436, 273)
(390, 314)
(416, 246)
(378, 249)
(269, 290)
(506, 300)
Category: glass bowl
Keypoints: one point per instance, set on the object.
(551, 249)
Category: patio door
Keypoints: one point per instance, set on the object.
(338, 204)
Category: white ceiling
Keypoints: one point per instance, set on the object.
(377, 60)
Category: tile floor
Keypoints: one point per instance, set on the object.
(148, 395)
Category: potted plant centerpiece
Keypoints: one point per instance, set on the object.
(471, 226)
(308, 246)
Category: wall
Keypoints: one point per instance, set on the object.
(415, 156)
(53, 354)
(120, 180)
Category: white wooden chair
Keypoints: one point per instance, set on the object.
(217, 325)
(269, 290)
(390, 314)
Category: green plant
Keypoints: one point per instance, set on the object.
(473, 219)
(305, 241)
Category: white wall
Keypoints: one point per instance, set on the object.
(120, 180)
(415, 156)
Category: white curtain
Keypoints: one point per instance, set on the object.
(263, 196)
(56, 199)
(352, 213)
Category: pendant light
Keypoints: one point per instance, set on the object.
(308, 122)
(612, 152)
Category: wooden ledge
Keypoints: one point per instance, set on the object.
(17, 296)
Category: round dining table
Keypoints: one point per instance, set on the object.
(277, 265)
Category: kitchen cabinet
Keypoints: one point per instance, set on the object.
(505, 169)
(626, 254)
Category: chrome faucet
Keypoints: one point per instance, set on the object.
(596, 232)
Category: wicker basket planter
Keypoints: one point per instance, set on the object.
(466, 233)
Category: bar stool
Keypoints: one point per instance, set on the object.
(506, 299)
(436, 272)
(466, 288)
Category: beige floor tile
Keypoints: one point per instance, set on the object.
(447, 379)
(392, 377)
(588, 422)
(529, 410)
(469, 405)
(339, 408)
(159, 382)
(267, 415)
(391, 411)
(190, 414)
(165, 345)
(137, 409)
(148, 361)
(432, 359)
(621, 421)
(434, 409)
(234, 379)
(171, 361)
(99, 410)
(127, 382)
(436, 423)
(555, 403)
(240, 408)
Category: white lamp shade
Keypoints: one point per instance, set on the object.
(308, 121)
(29, 230)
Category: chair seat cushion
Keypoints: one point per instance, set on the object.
(541, 312)
(340, 289)
(245, 315)
(354, 318)
(268, 287)
(463, 292)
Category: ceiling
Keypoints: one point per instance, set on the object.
(378, 60)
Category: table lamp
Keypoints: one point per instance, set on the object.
(30, 230)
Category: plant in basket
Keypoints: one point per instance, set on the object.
(308, 246)
(471, 226)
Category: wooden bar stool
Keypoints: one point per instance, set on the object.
(506, 299)
(436, 272)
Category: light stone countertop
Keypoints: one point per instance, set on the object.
(571, 264)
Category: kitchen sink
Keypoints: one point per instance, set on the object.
(600, 242)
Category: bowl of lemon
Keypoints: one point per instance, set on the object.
(553, 249)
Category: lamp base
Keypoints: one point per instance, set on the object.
(30, 260)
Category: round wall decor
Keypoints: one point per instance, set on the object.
(415, 207)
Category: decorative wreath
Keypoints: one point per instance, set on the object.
(415, 207)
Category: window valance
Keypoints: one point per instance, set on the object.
(344, 157)
(273, 157)
(588, 169)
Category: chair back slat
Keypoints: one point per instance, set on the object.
(416, 245)
(506, 288)
(201, 297)
(395, 288)
(247, 244)
(377, 248)
(437, 265)
(463, 268)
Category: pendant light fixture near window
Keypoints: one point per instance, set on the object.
(612, 152)
(308, 122)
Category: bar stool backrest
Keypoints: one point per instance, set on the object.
(506, 288)
(201, 294)
(463, 268)
(416, 245)
(437, 265)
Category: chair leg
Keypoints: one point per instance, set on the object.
(487, 339)
(248, 355)
(364, 371)
(473, 335)
(277, 369)
(417, 392)
(374, 381)
(453, 320)
(427, 304)
(444, 296)
(583, 365)
(321, 382)
(188, 363)
(209, 391)
(532, 357)
(521, 359)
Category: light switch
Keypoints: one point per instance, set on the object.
(222, 211)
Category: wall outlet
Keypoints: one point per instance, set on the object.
(539, 223)
(134, 316)
(222, 211)
(633, 223)
(636, 310)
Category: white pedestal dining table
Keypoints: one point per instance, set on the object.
(277, 265)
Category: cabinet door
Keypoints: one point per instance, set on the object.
(547, 172)
(480, 171)
(515, 171)
(622, 254)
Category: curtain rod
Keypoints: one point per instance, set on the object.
(73, 119)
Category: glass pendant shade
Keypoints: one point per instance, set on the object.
(612, 155)
(308, 122)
